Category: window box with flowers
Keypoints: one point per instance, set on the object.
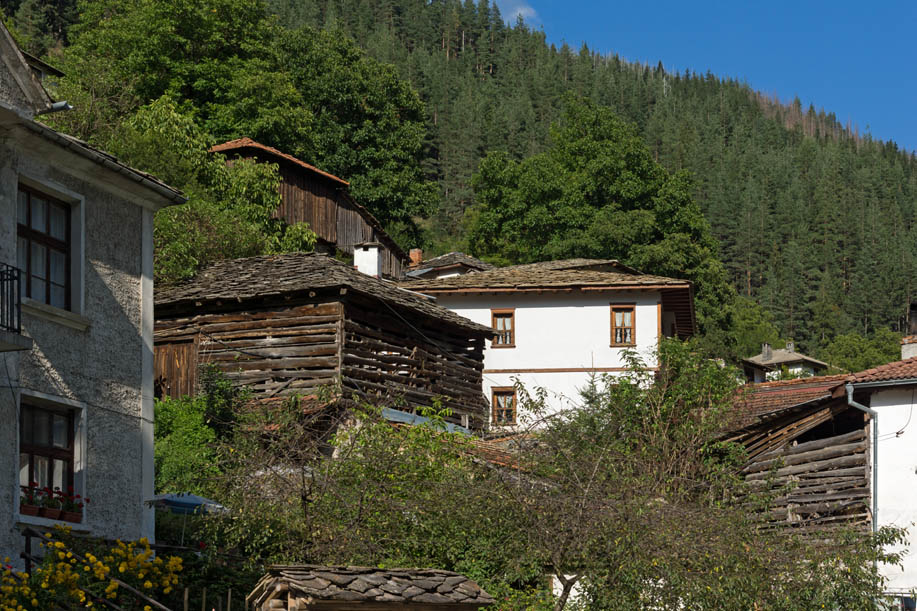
(72, 506)
(30, 500)
(52, 504)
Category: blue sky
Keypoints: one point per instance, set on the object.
(856, 59)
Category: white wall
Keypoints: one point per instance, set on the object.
(897, 485)
(569, 331)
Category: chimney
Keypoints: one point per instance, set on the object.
(766, 353)
(367, 258)
(791, 346)
(416, 257)
(908, 347)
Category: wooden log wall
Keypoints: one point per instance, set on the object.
(413, 362)
(275, 351)
(819, 485)
(307, 197)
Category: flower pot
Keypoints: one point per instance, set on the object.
(71, 516)
(28, 510)
(50, 513)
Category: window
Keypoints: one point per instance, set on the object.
(504, 325)
(622, 325)
(43, 247)
(46, 441)
(504, 406)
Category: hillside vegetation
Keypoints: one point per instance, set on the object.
(814, 223)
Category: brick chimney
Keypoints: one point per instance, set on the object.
(416, 257)
(908, 347)
(766, 352)
(367, 258)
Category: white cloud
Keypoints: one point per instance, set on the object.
(513, 9)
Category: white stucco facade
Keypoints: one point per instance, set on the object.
(562, 339)
(86, 364)
(897, 476)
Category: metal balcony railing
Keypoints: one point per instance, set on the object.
(10, 301)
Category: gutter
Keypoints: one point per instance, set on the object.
(168, 193)
(875, 450)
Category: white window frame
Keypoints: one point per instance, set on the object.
(74, 317)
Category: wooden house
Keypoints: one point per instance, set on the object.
(309, 195)
(308, 587)
(838, 451)
(289, 324)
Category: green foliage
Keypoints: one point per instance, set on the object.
(853, 352)
(632, 496)
(230, 209)
(238, 73)
(597, 192)
(187, 432)
(815, 222)
(752, 326)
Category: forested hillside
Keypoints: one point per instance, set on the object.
(813, 221)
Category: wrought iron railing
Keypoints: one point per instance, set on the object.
(10, 302)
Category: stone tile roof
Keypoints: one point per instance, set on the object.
(453, 258)
(755, 402)
(909, 339)
(571, 273)
(287, 275)
(353, 584)
(898, 370)
(242, 143)
(782, 357)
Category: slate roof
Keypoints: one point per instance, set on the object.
(372, 585)
(242, 143)
(899, 370)
(448, 260)
(576, 273)
(755, 402)
(782, 357)
(290, 274)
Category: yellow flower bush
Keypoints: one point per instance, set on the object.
(65, 578)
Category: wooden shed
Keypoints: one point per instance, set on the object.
(289, 324)
(323, 201)
(808, 448)
(306, 587)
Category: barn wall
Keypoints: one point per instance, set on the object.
(828, 480)
(399, 362)
(274, 350)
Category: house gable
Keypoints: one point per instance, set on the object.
(19, 86)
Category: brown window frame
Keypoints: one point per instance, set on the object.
(502, 391)
(44, 238)
(49, 451)
(615, 307)
(503, 312)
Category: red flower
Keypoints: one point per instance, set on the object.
(201, 545)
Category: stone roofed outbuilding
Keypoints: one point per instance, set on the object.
(449, 264)
(770, 362)
(305, 587)
(291, 324)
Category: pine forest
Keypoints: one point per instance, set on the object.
(426, 105)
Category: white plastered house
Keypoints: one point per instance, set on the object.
(76, 318)
(559, 323)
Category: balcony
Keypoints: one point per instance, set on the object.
(11, 337)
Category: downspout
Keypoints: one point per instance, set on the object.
(875, 452)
